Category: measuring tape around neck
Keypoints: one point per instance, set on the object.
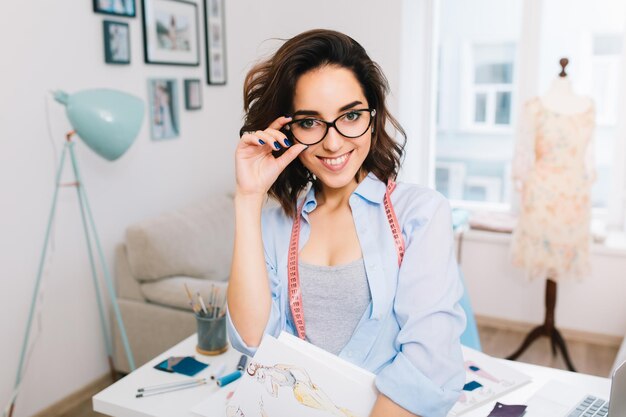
(293, 276)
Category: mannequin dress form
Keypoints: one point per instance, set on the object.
(553, 170)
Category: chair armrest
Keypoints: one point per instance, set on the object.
(127, 286)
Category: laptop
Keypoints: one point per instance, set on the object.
(557, 399)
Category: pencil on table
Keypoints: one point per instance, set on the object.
(171, 385)
(141, 394)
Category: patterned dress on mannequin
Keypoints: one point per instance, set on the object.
(553, 166)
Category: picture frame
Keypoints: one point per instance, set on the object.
(163, 108)
(170, 32)
(215, 42)
(193, 94)
(116, 42)
(124, 8)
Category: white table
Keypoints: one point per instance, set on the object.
(119, 399)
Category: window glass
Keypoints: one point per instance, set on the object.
(480, 108)
(476, 90)
(493, 64)
(503, 108)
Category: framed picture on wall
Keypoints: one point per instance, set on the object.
(193, 94)
(163, 102)
(215, 41)
(116, 42)
(170, 32)
(115, 7)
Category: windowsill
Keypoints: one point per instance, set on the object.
(488, 130)
(614, 244)
(473, 206)
(495, 216)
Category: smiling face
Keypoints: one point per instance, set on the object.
(326, 93)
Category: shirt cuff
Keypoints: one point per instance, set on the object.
(235, 339)
(272, 328)
(405, 385)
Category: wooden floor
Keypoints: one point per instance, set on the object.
(587, 358)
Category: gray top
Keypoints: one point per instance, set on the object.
(334, 298)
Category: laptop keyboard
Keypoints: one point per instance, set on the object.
(590, 406)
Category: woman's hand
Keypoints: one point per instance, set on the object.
(255, 166)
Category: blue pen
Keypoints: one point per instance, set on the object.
(227, 379)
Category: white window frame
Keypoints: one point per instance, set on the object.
(493, 186)
(456, 177)
(613, 63)
(469, 89)
(616, 209)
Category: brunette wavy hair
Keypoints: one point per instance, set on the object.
(269, 89)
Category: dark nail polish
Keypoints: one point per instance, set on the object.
(277, 146)
(261, 142)
(287, 142)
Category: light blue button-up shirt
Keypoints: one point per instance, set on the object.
(409, 334)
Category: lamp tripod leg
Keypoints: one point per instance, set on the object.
(111, 290)
(42, 259)
(105, 269)
(92, 264)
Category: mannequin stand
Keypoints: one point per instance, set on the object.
(547, 329)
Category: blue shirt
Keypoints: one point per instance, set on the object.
(409, 334)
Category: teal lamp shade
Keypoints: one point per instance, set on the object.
(108, 121)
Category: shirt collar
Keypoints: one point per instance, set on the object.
(371, 189)
(309, 200)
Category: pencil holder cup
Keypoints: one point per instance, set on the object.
(211, 335)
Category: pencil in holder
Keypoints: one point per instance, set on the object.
(211, 334)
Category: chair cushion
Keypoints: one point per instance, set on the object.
(171, 292)
(194, 241)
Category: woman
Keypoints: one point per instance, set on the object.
(370, 268)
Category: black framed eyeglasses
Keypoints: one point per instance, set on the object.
(351, 124)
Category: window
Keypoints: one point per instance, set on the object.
(451, 179)
(492, 84)
(606, 57)
(480, 75)
(605, 80)
(483, 188)
(476, 99)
